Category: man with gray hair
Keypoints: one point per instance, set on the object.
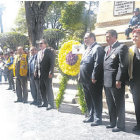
(91, 77)
(35, 90)
(20, 72)
(44, 69)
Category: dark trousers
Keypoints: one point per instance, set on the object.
(39, 98)
(128, 31)
(93, 97)
(10, 79)
(33, 88)
(135, 89)
(116, 106)
(21, 88)
(46, 91)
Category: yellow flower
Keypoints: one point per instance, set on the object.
(69, 63)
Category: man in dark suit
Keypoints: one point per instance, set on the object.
(134, 75)
(115, 70)
(91, 77)
(44, 68)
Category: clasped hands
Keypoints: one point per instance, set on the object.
(50, 75)
(118, 83)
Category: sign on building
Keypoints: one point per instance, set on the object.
(123, 7)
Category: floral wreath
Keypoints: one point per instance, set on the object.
(69, 64)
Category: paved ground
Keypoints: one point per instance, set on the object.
(20, 121)
(71, 92)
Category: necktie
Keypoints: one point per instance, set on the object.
(31, 59)
(109, 50)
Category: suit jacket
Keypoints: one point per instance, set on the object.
(115, 64)
(135, 67)
(31, 64)
(45, 66)
(91, 66)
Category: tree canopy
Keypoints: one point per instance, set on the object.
(53, 36)
(12, 40)
(20, 22)
(73, 18)
(53, 15)
(71, 15)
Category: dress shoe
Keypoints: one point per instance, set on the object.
(33, 103)
(96, 123)
(9, 88)
(25, 102)
(38, 103)
(88, 120)
(49, 107)
(117, 129)
(136, 128)
(110, 126)
(18, 101)
(44, 105)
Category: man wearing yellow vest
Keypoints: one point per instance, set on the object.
(10, 72)
(20, 72)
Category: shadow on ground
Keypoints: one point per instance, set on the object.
(68, 108)
(130, 122)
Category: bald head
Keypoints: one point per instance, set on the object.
(20, 50)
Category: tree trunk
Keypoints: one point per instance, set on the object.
(35, 13)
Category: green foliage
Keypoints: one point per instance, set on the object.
(53, 14)
(77, 17)
(63, 84)
(61, 92)
(20, 22)
(89, 17)
(53, 36)
(78, 35)
(82, 99)
(71, 16)
(12, 40)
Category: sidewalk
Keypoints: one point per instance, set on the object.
(27, 122)
(71, 92)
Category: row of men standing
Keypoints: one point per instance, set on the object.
(108, 67)
(39, 69)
